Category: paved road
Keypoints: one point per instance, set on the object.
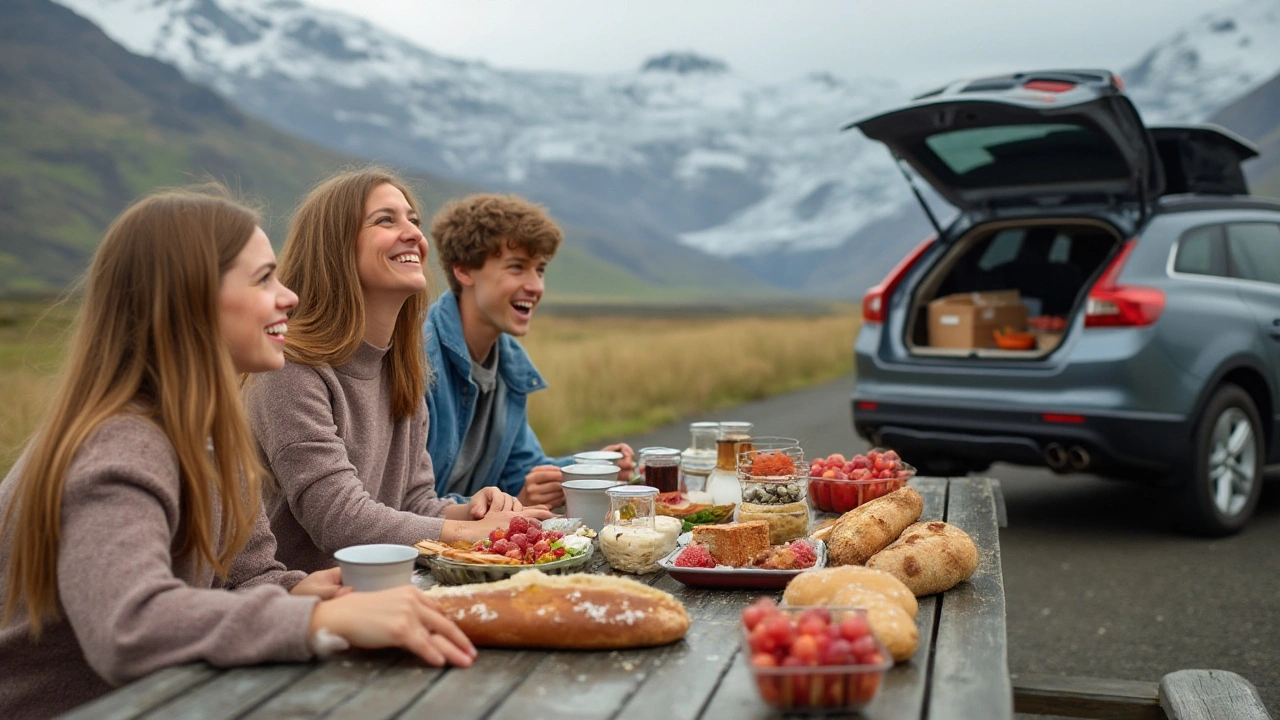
(1097, 583)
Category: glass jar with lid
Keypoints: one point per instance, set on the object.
(699, 459)
(660, 468)
(633, 538)
(722, 482)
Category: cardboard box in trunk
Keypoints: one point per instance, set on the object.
(969, 320)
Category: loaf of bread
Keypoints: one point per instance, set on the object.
(929, 557)
(734, 544)
(890, 623)
(563, 612)
(868, 528)
(819, 587)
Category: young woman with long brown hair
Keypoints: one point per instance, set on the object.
(133, 536)
(343, 427)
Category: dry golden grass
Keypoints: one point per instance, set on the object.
(607, 376)
(612, 376)
(33, 338)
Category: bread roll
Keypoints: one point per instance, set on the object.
(929, 557)
(819, 587)
(891, 624)
(563, 612)
(868, 528)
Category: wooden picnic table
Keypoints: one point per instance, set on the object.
(959, 671)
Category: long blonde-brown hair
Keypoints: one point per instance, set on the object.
(319, 264)
(147, 341)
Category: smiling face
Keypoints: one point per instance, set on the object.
(253, 307)
(500, 295)
(390, 248)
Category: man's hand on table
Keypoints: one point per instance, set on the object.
(542, 487)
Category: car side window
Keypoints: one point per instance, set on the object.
(1254, 249)
(1003, 248)
(1201, 252)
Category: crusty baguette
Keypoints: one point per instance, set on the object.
(868, 528)
(929, 557)
(819, 587)
(563, 612)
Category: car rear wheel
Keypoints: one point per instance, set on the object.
(1222, 486)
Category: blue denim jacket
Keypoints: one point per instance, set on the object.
(451, 405)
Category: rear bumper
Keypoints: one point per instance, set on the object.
(1116, 443)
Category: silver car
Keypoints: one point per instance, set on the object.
(1149, 277)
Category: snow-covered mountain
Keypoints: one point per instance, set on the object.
(682, 147)
(1218, 58)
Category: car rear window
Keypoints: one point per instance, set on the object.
(1022, 154)
(1255, 251)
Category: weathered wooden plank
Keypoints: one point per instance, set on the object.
(390, 692)
(736, 697)
(1210, 695)
(1002, 511)
(970, 673)
(234, 692)
(145, 694)
(326, 687)
(685, 674)
(1103, 699)
(904, 689)
(472, 693)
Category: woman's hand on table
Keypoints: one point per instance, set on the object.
(324, 584)
(473, 530)
(401, 617)
(491, 499)
(542, 486)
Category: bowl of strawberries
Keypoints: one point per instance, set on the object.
(812, 658)
(838, 485)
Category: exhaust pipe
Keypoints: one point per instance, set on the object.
(1055, 456)
(1078, 458)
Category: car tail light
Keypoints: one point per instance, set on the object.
(1113, 305)
(874, 301)
(1050, 86)
(1117, 81)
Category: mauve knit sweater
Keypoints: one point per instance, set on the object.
(344, 472)
(127, 606)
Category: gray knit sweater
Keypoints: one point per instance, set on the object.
(127, 606)
(344, 472)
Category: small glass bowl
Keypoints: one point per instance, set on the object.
(818, 688)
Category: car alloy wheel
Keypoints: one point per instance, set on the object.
(1233, 462)
(1223, 481)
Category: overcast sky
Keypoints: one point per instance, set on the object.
(918, 42)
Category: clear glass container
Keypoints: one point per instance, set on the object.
(699, 459)
(722, 482)
(631, 506)
(660, 468)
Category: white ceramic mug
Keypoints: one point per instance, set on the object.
(598, 457)
(586, 499)
(369, 568)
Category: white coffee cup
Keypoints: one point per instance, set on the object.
(586, 499)
(598, 457)
(369, 568)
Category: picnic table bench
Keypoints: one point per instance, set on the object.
(960, 670)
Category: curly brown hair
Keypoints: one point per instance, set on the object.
(469, 231)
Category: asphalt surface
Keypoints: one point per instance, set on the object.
(1097, 583)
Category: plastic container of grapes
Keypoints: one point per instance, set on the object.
(819, 688)
(840, 496)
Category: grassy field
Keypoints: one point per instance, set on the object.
(607, 375)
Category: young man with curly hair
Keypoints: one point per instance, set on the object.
(494, 250)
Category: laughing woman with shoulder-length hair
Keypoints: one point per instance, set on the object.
(343, 427)
(133, 536)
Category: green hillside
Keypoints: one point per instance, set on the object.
(88, 126)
